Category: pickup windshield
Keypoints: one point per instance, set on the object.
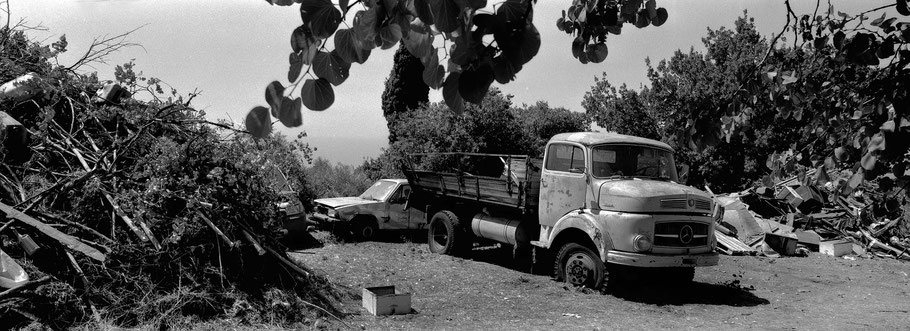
(379, 191)
(633, 161)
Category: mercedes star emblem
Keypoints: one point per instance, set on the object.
(686, 234)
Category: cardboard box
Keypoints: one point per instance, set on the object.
(386, 300)
(838, 247)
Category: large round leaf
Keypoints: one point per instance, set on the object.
(473, 84)
(434, 75)
(421, 9)
(519, 46)
(258, 122)
(321, 16)
(433, 72)
(597, 53)
(348, 49)
(303, 42)
(390, 35)
(450, 93)
(514, 12)
(578, 48)
(289, 114)
(273, 94)
(366, 28)
(331, 67)
(504, 70)
(317, 94)
(296, 65)
(660, 18)
(419, 44)
(445, 14)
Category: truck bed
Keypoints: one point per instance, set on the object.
(516, 187)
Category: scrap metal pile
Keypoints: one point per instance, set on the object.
(794, 217)
(124, 212)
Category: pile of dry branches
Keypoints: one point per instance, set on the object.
(130, 212)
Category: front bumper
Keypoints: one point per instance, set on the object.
(655, 261)
(324, 220)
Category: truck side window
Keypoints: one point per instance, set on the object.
(562, 157)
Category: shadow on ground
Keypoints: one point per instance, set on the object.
(652, 290)
(730, 294)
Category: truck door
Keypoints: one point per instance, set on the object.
(562, 182)
(398, 211)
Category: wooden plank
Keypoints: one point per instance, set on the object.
(732, 246)
(65, 239)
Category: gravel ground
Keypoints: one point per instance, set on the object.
(490, 291)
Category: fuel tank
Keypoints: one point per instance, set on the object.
(504, 230)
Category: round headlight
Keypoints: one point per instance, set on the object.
(642, 243)
(331, 213)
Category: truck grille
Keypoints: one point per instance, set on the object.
(681, 204)
(673, 203)
(680, 234)
(702, 204)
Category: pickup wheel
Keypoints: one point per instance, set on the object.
(579, 266)
(364, 229)
(445, 235)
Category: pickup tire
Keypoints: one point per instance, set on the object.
(579, 266)
(446, 235)
(364, 229)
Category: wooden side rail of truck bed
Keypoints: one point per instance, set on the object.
(515, 187)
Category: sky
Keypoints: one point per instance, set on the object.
(229, 50)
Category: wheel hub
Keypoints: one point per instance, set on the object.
(439, 235)
(579, 269)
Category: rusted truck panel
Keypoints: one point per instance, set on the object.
(515, 187)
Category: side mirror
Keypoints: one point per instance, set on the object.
(683, 173)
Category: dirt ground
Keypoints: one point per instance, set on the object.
(487, 291)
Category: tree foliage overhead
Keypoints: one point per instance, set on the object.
(480, 42)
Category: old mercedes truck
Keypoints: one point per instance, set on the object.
(595, 203)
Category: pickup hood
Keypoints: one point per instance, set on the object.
(652, 196)
(343, 202)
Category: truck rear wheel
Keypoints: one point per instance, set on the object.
(579, 266)
(446, 236)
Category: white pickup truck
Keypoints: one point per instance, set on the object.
(383, 206)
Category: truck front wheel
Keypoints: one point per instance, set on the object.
(579, 266)
(445, 234)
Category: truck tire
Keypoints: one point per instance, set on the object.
(446, 235)
(579, 266)
(364, 229)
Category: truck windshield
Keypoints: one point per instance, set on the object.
(632, 160)
(378, 191)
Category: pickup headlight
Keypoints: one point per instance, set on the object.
(331, 213)
(641, 243)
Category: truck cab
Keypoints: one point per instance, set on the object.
(618, 196)
(383, 206)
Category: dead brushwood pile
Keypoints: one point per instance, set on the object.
(135, 213)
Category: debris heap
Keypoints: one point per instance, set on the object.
(118, 211)
(794, 217)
